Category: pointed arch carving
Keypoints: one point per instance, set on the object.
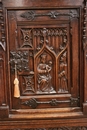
(44, 70)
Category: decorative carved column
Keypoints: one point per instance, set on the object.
(3, 102)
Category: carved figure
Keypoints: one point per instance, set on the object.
(44, 77)
(63, 73)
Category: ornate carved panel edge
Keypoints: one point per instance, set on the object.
(59, 128)
(84, 26)
(2, 27)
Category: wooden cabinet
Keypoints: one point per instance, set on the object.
(43, 64)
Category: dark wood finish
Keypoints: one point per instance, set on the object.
(43, 61)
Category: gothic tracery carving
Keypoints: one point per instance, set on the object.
(51, 35)
(51, 44)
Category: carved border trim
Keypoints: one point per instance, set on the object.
(84, 37)
(56, 128)
(2, 32)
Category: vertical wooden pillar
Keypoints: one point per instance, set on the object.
(85, 55)
(3, 102)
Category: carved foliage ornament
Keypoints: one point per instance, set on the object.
(20, 58)
(31, 15)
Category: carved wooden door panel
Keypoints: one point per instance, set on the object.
(45, 55)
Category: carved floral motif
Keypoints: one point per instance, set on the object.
(20, 58)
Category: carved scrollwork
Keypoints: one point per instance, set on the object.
(20, 58)
(31, 15)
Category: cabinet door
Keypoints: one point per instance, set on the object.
(44, 53)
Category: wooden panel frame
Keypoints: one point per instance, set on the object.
(50, 119)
